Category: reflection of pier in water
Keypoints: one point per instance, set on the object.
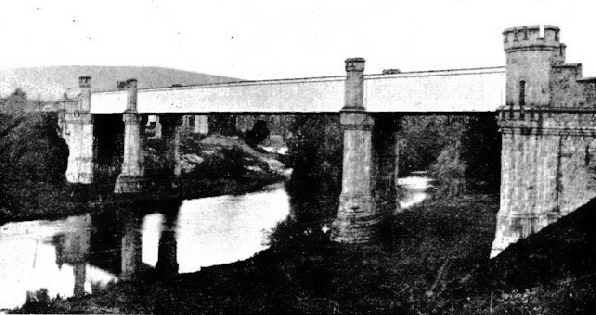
(123, 241)
(72, 247)
(114, 243)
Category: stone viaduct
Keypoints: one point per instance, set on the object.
(545, 110)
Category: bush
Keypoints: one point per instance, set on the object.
(257, 134)
(450, 171)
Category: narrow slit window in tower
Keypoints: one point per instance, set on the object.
(522, 93)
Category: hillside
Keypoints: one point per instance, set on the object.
(50, 83)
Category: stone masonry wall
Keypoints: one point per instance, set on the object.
(548, 169)
(548, 128)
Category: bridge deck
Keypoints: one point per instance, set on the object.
(464, 90)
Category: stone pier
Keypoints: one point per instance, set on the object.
(171, 128)
(360, 211)
(201, 124)
(79, 136)
(131, 178)
(157, 127)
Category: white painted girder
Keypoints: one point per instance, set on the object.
(466, 90)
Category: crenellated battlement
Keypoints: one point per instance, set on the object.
(529, 38)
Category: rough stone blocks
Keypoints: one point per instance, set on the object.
(129, 184)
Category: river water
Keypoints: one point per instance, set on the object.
(73, 255)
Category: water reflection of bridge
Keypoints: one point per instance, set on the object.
(114, 243)
(165, 238)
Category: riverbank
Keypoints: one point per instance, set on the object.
(54, 204)
(211, 166)
(303, 272)
(434, 262)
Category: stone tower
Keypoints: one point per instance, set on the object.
(548, 128)
(529, 60)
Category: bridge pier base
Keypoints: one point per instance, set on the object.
(369, 182)
(370, 146)
(79, 137)
(357, 217)
(131, 178)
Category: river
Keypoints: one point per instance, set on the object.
(73, 255)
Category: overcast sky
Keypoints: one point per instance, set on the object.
(282, 39)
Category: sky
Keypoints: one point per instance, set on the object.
(282, 39)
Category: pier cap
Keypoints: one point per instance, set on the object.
(355, 64)
(84, 82)
(131, 83)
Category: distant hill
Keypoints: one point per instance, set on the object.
(50, 83)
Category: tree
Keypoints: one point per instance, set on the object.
(258, 133)
(15, 103)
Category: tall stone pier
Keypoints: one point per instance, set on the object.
(131, 178)
(360, 211)
(171, 128)
(79, 136)
(548, 128)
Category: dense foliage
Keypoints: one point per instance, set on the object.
(32, 156)
(470, 159)
(317, 152)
